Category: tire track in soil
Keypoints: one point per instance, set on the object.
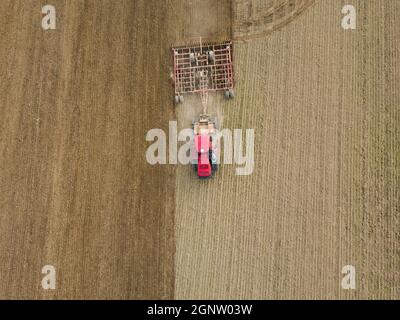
(258, 18)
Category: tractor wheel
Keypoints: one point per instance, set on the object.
(181, 100)
(215, 121)
(211, 56)
(227, 94)
(213, 158)
(177, 100)
(192, 58)
(231, 93)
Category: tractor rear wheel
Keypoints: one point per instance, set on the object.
(179, 99)
(229, 94)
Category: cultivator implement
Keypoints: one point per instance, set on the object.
(203, 68)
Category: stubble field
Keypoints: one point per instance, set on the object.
(325, 189)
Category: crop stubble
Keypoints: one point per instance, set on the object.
(325, 188)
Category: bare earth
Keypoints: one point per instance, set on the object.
(76, 191)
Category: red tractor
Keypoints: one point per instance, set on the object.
(206, 150)
(202, 69)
